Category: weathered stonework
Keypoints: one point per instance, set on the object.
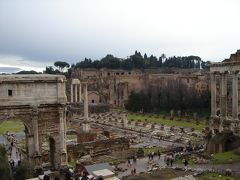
(114, 86)
(39, 101)
(224, 102)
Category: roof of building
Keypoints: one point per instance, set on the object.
(232, 60)
(96, 167)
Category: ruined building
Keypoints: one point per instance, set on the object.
(114, 86)
(224, 132)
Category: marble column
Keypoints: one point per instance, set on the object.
(76, 86)
(85, 102)
(223, 94)
(235, 96)
(71, 93)
(80, 93)
(213, 95)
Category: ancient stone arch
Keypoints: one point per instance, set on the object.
(39, 101)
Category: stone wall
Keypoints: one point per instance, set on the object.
(117, 144)
(77, 108)
(32, 90)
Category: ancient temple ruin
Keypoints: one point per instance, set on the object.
(39, 101)
(225, 123)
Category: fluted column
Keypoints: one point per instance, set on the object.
(223, 94)
(235, 96)
(71, 93)
(213, 95)
(80, 93)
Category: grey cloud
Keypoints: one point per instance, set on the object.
(9, 70)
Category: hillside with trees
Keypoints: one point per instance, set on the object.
(139, 61)
(135, 61)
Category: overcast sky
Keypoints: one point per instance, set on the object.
(35, 33)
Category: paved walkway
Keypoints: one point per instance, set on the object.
(14, 155)
(143, 165)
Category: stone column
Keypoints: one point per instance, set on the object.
(71, 92)
(223, 95)
(62, 162)
(235, 96)
(213, 95)
(80, 93)
(76, 86)
(85, 102)
(61, 129)
(35, 131)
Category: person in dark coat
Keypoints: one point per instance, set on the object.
(84, 177)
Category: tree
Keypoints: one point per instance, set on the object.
(163, 57)
(4, 167)
(142, 62)
(27, 72)
(50, 70)
(24, 171)
(61, 65)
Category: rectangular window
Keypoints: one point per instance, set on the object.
(10, 93)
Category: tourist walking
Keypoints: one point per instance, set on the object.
(185, 162)
(159, 155)
(171, 161)
(129, 162)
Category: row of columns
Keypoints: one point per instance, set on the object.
(76, 84)
(78, 92)
(223, 94)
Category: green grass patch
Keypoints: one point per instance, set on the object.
(153, 149)
(72, 163)
(214, 176)
(71, 137)
(179, 161)
(114, 162)
(11, 126)
(225, 157)
(168, 122)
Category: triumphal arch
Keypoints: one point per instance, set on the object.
(39, 101)
(225, 123)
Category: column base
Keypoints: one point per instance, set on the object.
(38, 163)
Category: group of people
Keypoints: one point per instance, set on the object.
(153, 154)
(14, 156)
(169, 159)
(132, 164)
(134, 160)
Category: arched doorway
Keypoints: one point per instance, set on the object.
(14, 137)
(48, 151)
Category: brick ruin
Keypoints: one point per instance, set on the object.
(114, 86)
